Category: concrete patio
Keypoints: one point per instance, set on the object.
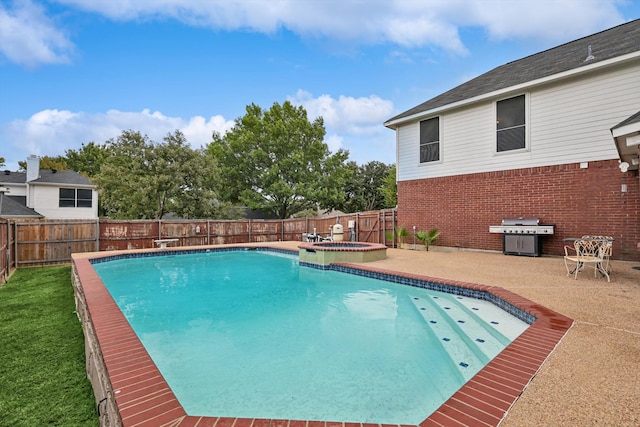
(593, 377)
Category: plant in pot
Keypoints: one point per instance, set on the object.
(428, 237)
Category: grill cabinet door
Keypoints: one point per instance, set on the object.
(528, 245)
(511, 244)
(521, 244)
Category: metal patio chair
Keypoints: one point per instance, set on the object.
(591, 250)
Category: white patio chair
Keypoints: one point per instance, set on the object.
(588, 251)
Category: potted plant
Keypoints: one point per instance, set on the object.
(428, 237)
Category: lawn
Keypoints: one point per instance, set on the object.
(43, 380)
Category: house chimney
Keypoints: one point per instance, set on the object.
(33, 167)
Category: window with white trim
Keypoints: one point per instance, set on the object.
(430, 140)
(75, 198)
(511, 124)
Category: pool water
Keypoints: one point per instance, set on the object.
(252, 335)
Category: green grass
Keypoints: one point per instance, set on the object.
(43, 380)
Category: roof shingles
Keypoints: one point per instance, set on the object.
(608, 44)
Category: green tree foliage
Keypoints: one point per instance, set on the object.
(275, 160)
(47, 162)
(2, 160)
(142, 179)
(364, 189)
(88, 159)
(390, 188)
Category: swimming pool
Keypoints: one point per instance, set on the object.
(248, 335)
(128, 386)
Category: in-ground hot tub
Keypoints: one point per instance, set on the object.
(325, 253)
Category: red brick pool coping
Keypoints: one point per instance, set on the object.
(143, 398)
(342, 246)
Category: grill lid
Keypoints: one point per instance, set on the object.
(520, 221)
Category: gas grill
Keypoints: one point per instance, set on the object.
(521, 236)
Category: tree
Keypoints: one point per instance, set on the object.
(2, 160)
(390, 188)
(275, 160)
(88, 159)
(363, 191)
(141, 179)
(47, 162)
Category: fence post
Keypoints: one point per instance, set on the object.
(97, 234)
(6, 256)
(15, 241)
(393, 233)
(384, 225)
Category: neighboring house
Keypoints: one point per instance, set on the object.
(553, 136)
(51, 194)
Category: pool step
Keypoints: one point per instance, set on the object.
(508, 327)
(464, 337)
(482, 332)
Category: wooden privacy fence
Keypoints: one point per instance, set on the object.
(42, 242)
(5, 253)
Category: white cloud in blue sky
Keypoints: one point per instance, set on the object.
(28, 37)
(74, 71)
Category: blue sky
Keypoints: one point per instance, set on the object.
(76, 71)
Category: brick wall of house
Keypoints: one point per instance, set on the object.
(576, 200)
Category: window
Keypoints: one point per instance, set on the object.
(511, 124)
(75, 198)
(83, 199)
(430, 140)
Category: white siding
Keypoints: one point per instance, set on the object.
(568, 122)
(46, 201)
(15, 189)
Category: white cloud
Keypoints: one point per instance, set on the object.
(401, 22)
(51, 132)
(354, 116)
(548, 20)
(28, 37)
(354, 124)
(334, 142)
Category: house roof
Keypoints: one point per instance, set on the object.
(9, 177)
(628, 121)
(626, 135)
(47, 176)
(605, 45)
(15, 206)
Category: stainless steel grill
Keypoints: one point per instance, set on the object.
(521, 236)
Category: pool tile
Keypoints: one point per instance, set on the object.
(155, 416)
(225, 422)
(201, 421)
(261, 422)
(279, 423)
(469, 414)
(243, 422)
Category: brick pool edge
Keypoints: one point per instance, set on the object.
(130, 391)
